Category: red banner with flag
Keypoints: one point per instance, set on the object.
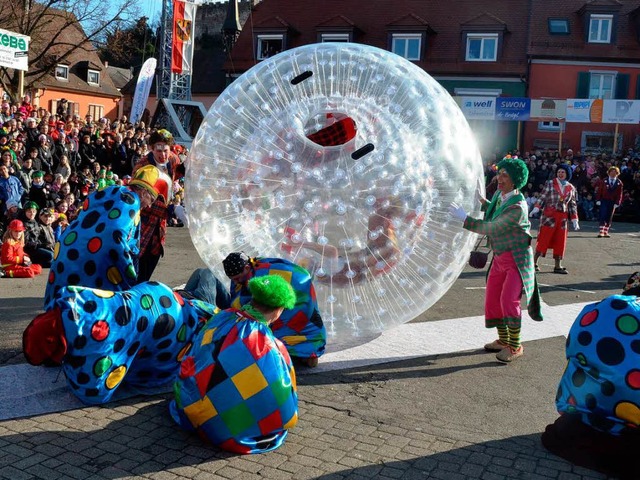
(184, 17)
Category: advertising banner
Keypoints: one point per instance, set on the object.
(14, 50)
(584, 110)
(184, 18)
(621, 111)
(477, 108)
(513, 108)
(143, 87)
(548, 110)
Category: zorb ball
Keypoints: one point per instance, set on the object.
(343, 158)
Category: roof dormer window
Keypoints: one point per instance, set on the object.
(334, 37)
(93, 77)
(407, 45)
(62, 72)
(600, 28)
(482, 47)
(269, 45)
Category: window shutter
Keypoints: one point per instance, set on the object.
(638, 87)
(582, 86)
(54, 106)
(622, 85)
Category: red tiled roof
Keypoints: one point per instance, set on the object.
(445, 49)
(71, 48)
(574, 46)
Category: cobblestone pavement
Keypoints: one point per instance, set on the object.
(451, 417)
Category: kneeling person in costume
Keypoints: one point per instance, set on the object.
(100, 248)
(237, 386)
(598, 397)
(103, 338)
(300, 328)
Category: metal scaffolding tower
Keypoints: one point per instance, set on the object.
(175, 111)
(172, 86)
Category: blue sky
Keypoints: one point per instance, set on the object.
(153, 8)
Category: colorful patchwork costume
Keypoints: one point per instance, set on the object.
(237, 386)
(99, 249)
(103, 337)
(301, 328)
(602, 380)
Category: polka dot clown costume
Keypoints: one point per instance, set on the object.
(601, 383)
(99, 248)
(300, 329)
(103, 338)
(237, 386)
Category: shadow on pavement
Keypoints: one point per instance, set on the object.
(19, 308)
(515, 457)
(420, 367)
(615, 282)
(146, 441)
(137, 443)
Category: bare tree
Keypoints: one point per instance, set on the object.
(59, 29)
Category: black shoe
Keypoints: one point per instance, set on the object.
(537, 268)
(560, 270)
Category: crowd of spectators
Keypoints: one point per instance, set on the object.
(587, 172)
(49, 163)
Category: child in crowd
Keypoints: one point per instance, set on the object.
(57, 183)
(588, 205)
(15, 263)
(59, 225)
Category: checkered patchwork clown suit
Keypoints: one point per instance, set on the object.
(300, 329)
(237, 386)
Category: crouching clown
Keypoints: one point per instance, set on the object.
(237, 386)
(105, 338)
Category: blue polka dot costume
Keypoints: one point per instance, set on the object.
(138, 336)
(99, 248)
(237, 386)
(602, 380)
(300, 329)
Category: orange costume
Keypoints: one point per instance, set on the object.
(12, 259)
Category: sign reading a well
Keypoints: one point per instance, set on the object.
(14, 50)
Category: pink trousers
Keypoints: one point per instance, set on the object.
(504, 291)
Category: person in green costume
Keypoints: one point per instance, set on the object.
(506, 225)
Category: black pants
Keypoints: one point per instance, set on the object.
(147, 263)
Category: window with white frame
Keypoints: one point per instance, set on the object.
(600, 28)
(93, 77)
(602, 85)
(62, 72)
(334, 37)
(482, 47)
(549, 126)
(407, 45)
(269, 45)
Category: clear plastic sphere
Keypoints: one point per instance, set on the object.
(368, 215)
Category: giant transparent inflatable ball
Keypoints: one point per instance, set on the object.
(342, 158)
